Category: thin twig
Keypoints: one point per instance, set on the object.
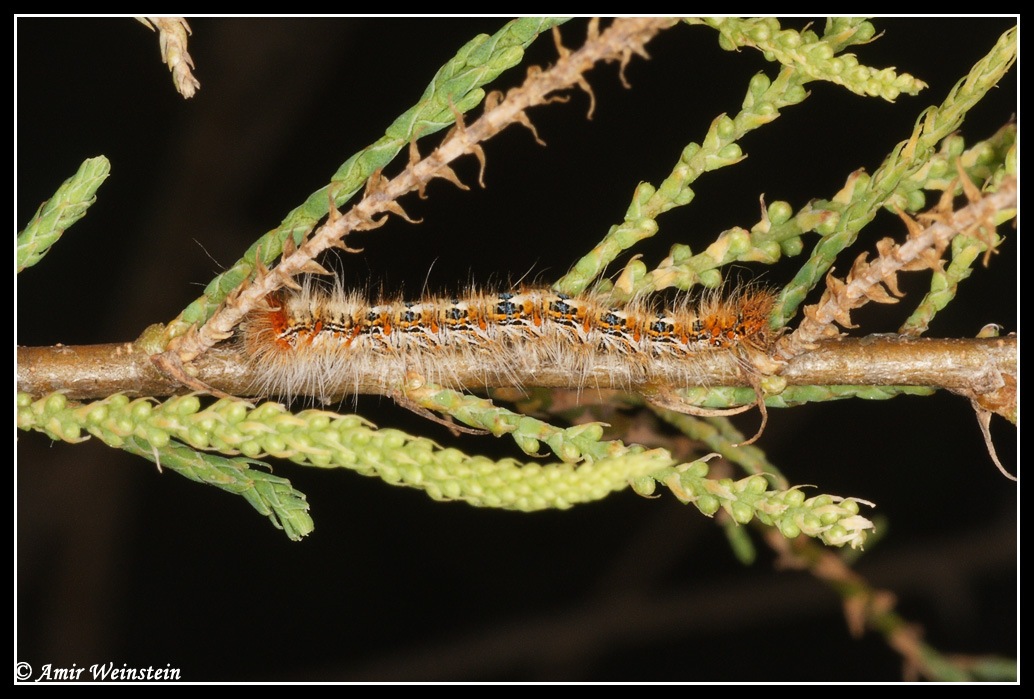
(95, 371)
(172, 40)
(866, 280)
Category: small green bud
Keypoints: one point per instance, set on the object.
(452, 489)
(939, 169)
(412, 474)
(97, 414)
(739, 241)
(689, 152)
(819, 501)
(142, 410)
(953, 146)
(322, 460)
(779, 212)
(70, 431)
(251, 449)
(726, 128)
(120, 424)
(863, 32)
(529, 445)
(389, 473)
(589, 432)
(828, 224)
(25, 417)
(637, 270)
(679, 254)
(1010, 161)
(757, 484)
(916, 200)
(274, 444)
(789, 529)
(684, 197)
(155, 437)
(788, 39)
(266, 411)
(830, 516)
(568, 453)
(759, 33)
(731, 152)
(711, 278)
(836, 535)
(392, 439)
(644, 485)
(698, 469)
(55, 403)
(795, 94)
(819, 51)
(197, 438)
(767, 252)
(707, 504)
(184, 405)
(809, 524)
(759, 84)
(792, 247)
(741, 512)
(234, 411)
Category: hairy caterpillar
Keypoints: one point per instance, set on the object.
(328, 344)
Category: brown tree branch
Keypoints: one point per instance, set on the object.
(972, 367)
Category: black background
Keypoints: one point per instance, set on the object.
(115, 562)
